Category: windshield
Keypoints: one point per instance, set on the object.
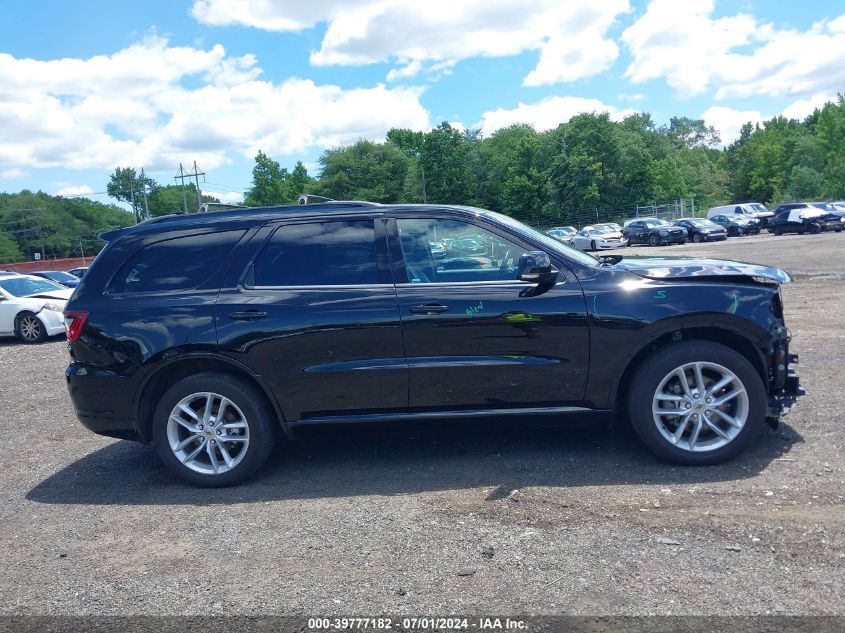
(759, 208)
(652, 223)
(700, 222)
(25, 287)
(552, 245)
(58, 275)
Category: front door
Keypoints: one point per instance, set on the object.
(475, 337)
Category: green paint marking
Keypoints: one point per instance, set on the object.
(734, 303)
(595, 309)
(660, 294)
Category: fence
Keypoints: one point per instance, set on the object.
(665, 211)
(47, 264)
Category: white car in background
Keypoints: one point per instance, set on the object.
(591, 238)
(31, 307)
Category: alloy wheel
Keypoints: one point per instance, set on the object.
(700, 406)
(208, 433)
(30, 327)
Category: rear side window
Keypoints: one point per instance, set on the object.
(182, 263)
(335, 253)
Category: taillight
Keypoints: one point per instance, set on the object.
(75, 321)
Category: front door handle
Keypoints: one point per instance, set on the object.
(248, 315)
(434, 308)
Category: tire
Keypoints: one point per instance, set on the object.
(653, 240)
(593, 245)
(29, 329)
(247, 406)
(815, 229)
(696, 237)
(748, 407)
(740, 231)
(777, 232)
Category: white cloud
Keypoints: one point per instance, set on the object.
(636, 97)
(228, 197)
(12, 174)
(74, 190)
(802, 108)
(729, 122)
(547, 113)
(738, 55)
(571, 36)
(132, 108)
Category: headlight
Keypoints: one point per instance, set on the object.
(54, 307)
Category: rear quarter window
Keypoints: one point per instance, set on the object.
(181, 263)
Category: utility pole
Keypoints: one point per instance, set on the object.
(196, 173)
(146, 206)
(184, 196)
(130, 173)
(82, 251)
(199, 193)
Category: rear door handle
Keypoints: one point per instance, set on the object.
(248, 315)
(429, 309)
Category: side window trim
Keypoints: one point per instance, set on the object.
(397, 257)
(220, 272)
(380, 247)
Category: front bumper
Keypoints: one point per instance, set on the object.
(54, 322)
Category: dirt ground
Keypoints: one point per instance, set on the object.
(441, 519)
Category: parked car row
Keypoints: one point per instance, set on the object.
(747, 218)
(31, 307)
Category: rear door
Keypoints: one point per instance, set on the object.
(312, 308)
(476, 337)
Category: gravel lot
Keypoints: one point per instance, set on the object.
(437, 520)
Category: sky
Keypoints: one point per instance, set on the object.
(88, 86)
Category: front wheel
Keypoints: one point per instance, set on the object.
(593, 246)
(653, 240)
(696, 237)
(815, 229)
(213, 430)
(29, 328)
(697, 403)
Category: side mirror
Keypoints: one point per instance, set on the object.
(536, 267)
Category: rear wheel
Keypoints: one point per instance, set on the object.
(653, 240)
(213, 430)
(29, 328)
(697, 403)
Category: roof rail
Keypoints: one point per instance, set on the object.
(306, 198)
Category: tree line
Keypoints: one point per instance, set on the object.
(588, 163)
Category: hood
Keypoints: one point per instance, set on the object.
(57, 295)
(615, 234)
(700, 269)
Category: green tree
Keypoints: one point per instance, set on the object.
(127, 185)
(447, 156)
(9, 249)
(363, 171)
(268, 183)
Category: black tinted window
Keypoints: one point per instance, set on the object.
(319, 254)
(178, 264)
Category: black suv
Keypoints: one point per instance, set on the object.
(211, 335)
(654, 233)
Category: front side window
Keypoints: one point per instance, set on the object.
(469, 253)
(334, 253)
(181, 263)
